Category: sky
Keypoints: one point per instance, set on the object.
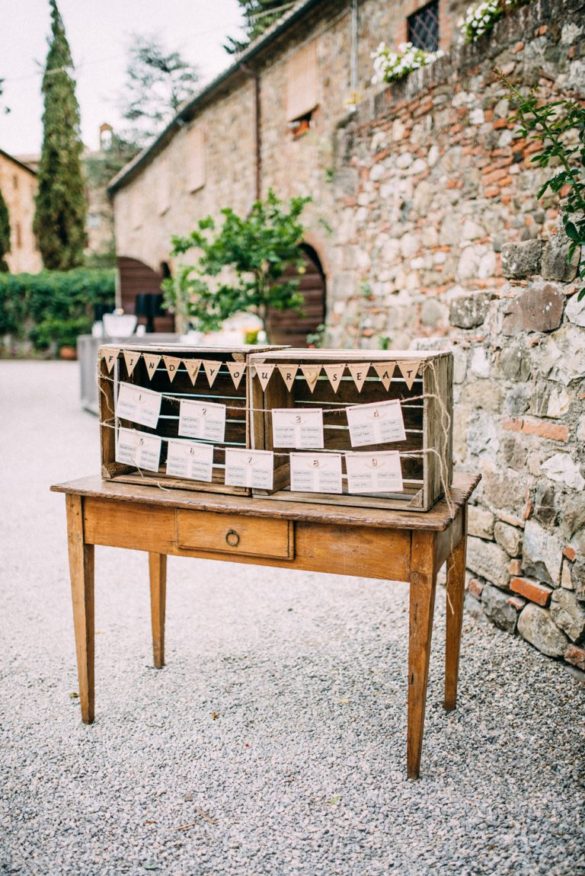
(98, 32)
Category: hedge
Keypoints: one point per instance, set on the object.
(53, 307)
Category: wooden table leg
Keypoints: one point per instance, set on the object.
(157, 564)
(455, 600)
(423, 578)
(81, 570)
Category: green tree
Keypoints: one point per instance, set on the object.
(157, 83)
(259, 15)
(241, 265)
(4, 233)
(61, 205)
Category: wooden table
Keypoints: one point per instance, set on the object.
(369, 543)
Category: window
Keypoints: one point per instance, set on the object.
(15, 181)
(195, 144)
(302, 83)
(423, 27)
(18, 236)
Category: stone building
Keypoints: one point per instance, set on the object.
(426, 223)
(18, 184)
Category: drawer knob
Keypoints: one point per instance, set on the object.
(232, 538)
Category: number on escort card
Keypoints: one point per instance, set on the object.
(138, 405)
(138, 448)
(375, 423)
(297, 427)
(202, 420)
(187, 459)
(315, 472)
(249, 468)
(374, 472)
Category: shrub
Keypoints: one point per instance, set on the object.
(390, 66)
(53, 307)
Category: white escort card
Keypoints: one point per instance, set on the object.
(138, 405)
(376, 423)
(315, 472)
(297, 427)
(202, 420)
(249, 468)
(138, 448)
(186, 459)
(374, 472)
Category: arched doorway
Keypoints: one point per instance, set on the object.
(290, 327)
(138, 280)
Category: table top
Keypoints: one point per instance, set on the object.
(437, 519)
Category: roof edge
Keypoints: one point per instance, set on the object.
(188, 110)
(18, 162)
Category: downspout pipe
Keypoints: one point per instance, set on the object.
(257, 128)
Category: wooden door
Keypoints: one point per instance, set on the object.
(290, 327)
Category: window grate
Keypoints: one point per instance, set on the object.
(423, 27)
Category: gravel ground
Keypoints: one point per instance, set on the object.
(274, 741)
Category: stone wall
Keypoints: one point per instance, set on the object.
(440, 241)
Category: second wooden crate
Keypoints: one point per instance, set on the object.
(335, 381)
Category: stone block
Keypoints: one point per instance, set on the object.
(537, 627)
(531, 590)
(514, 362)
(545, 507)
(575, 311)
(520, 260)
(475, 587)
(497, 607)
(575, 656)
(564, 470)
(505, 489)
(542, 553)
(538, 309)
(578, 579)
(488, 560)
(568, 614)
(509, 538)
(469, 311)
(480, 522)
(554, 262)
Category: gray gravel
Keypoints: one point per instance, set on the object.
(274, 741)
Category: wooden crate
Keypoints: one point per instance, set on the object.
(426, 409)
(129, 363)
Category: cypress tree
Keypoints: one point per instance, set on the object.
(61, 205)
(4, 233)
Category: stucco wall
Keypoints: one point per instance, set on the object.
(19, 187)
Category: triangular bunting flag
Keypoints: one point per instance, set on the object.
(151, 361)
(359, 372)
(172, 365)
(311, 374)
(192, 366)
(131, 360)
(264, 373)
(334, 373)
(385, 370)
(211, 369)
(288, 374)
(409, 370)
(110, 357)
(236, 369)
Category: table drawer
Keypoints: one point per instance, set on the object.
(230, 533)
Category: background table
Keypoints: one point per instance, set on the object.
(368, 543)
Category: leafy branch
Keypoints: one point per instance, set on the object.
(559, 126)
(241, 265)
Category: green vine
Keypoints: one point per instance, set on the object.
(559, 125)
